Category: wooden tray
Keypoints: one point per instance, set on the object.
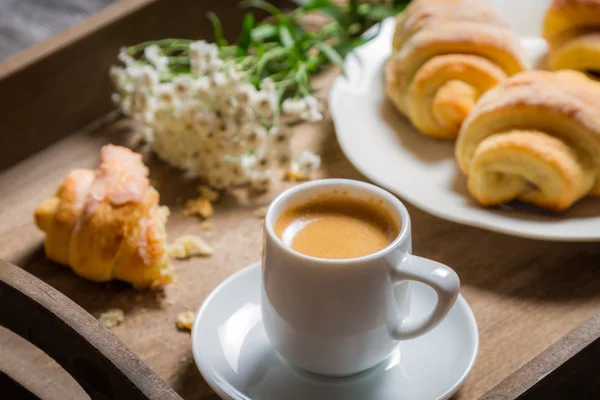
(56, 113)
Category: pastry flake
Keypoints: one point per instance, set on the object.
(185, 320)
(190, 246)
(200, 206)
(112, 317)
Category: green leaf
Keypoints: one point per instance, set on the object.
(217, 28)
(263, 31)
(286, 37)
(263, 5)
(260, 50)
(332, 55)
(378, 13)
(246, 36)
(327, 7)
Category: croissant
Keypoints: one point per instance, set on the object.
(572, 29)
(447, 53)
(535, 138)
(107, 224)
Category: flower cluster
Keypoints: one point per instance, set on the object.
(211, 121)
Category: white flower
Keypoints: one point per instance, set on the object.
(215, 65)
(219, 179)
(312, 116)
(228, 104)
(253, 134)
(248, 162)
(308, 162)
(182, 85)
(204, 50)
(125, 58)
(206, 120)
(312, 112)
(219, 80)
(244, 114)
(264, 104)
(245, 94)
(198, 67)
(261, 180)
(201, 84)
(141, 102)
(116, 98)
(311, 102)
(165, 94)
(293, 107)
(267, 85)
(143, 77)
(233, 73)
(152, 54)
(119, 78)
(235, 147)
(213, 123)
(279, 135)
(263, 162)
(231, 128)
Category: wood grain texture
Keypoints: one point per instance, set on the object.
(99, 361)
(525, 294)
(25, 22)
(569, 367)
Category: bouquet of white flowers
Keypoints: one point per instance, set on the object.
(224, 111)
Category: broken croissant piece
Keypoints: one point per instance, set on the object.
(572, 29)
(534, 138)
(446, 54)
(107, 224)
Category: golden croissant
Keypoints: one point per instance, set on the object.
(107, 224)
(572, 29)
(535, 138)
(446, 54)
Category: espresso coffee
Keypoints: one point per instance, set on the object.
(337, 226)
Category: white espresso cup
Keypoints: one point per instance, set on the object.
(337, 317)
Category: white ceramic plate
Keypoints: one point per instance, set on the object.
(383, 145)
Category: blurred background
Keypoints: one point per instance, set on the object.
(25, 22)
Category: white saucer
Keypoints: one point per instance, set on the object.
(232, 352)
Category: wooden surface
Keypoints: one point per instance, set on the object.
(569, 367)
(525, 294)
(103, 366)
(25, 22)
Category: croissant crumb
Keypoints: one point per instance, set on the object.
(112, 317)
(185, 320)
(200, 206)
(208, 193)
(190, 246)
(295, 176)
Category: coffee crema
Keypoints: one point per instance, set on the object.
(337, 226)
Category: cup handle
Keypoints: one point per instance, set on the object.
(439, 277)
